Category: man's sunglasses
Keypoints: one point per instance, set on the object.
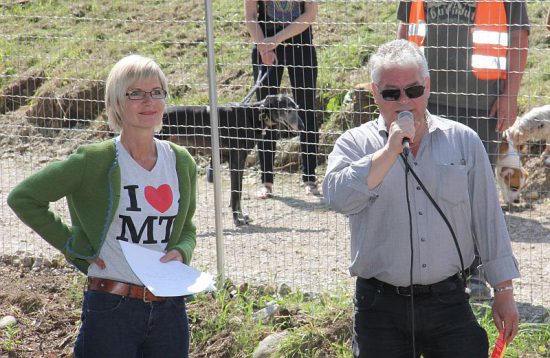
(393, 94)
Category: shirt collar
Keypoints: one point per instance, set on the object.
(381, 127)
(436, 122)
(433, 123)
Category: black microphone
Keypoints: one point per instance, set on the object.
(406, 141)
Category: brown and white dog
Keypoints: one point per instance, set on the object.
(510, 175)
(533, 125)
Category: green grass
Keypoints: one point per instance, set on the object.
(536, 80)
(309, 323)
(73, 43)
(82, 41)
(318, 326)
(8, 338)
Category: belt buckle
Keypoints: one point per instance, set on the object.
(398, 290)
(144, 298)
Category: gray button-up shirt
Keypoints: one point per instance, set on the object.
(454, 167)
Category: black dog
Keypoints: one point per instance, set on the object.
(240, 127)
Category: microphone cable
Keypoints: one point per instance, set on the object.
(408, 169)
(459, 252)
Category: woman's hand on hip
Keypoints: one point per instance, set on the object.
(99, 262)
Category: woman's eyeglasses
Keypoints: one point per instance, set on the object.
(393, 94)
(136, 95)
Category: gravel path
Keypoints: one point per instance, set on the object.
(292, 239)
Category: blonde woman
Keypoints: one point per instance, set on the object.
(131, 188)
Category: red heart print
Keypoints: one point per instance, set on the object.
(160, 198)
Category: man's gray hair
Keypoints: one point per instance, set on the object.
(397, 53)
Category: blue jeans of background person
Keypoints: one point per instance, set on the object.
(301, 63)
(445, 326)
(120, 327)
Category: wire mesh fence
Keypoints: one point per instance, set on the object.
(55, 57)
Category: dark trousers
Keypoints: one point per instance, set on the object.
(301, 63)
(116, 326)
(445, 326)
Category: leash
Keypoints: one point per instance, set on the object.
(261, 78)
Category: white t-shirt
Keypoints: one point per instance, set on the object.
(147, 209)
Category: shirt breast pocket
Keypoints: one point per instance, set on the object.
(453, 183)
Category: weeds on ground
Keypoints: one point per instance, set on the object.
(75, 291)
(222, 321)
(313, 325)
(230, 322)
(9, 339)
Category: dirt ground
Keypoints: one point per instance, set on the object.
(47, 321)
(46, 304)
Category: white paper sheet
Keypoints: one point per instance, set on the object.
(165, 279)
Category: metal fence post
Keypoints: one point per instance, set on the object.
(213, 96)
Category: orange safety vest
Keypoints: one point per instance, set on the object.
(489, 37)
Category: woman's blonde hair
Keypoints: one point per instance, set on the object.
(128, 70)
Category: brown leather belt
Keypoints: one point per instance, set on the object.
(123, 289)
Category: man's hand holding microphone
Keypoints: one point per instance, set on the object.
(402, 129)
(402, 132)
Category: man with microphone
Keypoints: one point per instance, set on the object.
(414, 219)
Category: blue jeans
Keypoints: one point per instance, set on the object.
(120, 327)
(445, 325)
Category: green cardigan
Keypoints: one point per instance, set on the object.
(90, 180)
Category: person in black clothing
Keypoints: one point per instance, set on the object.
(282, 36)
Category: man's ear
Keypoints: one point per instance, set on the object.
(373, 89)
